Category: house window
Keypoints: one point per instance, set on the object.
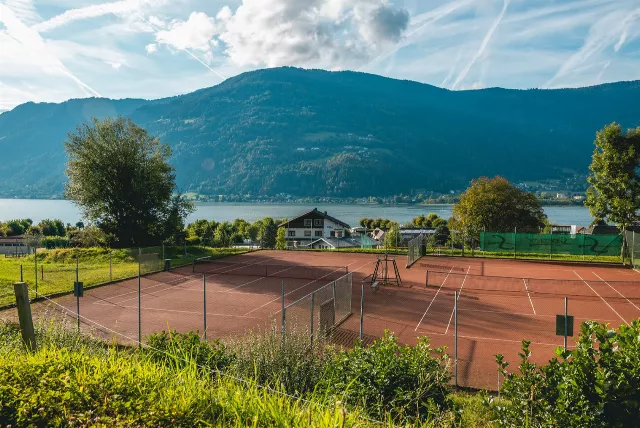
(307, 233)
(307, 222)
(292, 233)
(338, 234)
(319, 233)
(317, 222)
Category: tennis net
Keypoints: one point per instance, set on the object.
(216, 267)
(584, 288)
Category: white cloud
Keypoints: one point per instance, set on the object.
(196, 33)
(151, 48)
(156, 22)
(324, 33)
(114, 65)
(24, 50)
(483, 45)
(120, 8)
(24, 10)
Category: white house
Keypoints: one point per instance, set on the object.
(313, 225)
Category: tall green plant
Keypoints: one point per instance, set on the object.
(597, 384)
(614, 192)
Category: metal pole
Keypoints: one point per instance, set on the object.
(139, 308)
(204, 288)
(551, 245)
(21, 279)
(77, 293)
(583, 244)
(163, 258)
(566, 321)
(361, 310)
(35, 257)
(42, 272)
(455, 311)
(111, 265)
(313, 298)
(283, 316)
(515, 237)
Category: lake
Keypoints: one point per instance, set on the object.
(38, 209)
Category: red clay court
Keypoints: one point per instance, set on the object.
(501, 302)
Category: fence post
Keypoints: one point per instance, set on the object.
(455, 346)
(139, 307)
(313, 297)
(361, 310)
(110, 265)
(515, 237)
(204, 287)
(41, 272)
(284, 332)
(35, 258)
(21, 279)
(77, 291)
(566, 322)
(633, 248)
(551, 246)
(24, 314)
(582, 244)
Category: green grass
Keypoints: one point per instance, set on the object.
(56, 269)
(76, 380)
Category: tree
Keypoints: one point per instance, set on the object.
(223, 235)
(614, 191)
(268, 231)
(392, 238)
(281, 240)
(441, 235)
(52, 227)
(253, 231)
(496, 205)
(120, 177)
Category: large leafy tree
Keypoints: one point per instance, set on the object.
(614, 191)
(120, 177)
(496, 205)
(268, 232)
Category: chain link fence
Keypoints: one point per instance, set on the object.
(320, 311)
(416, 248)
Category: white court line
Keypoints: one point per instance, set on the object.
(633, 304)
(293, 291)
(601, 298)
(530, 301)
(434, 298)
(146, 308)
(160, 284)
(528, 315)
(454, 303)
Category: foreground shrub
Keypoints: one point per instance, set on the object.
(182, 349)
(59, 387)
(297, 366)
(384, 377)
(597, 384)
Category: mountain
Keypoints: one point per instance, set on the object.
(320, 133)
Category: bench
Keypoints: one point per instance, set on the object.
(375, 286)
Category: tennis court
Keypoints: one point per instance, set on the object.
(237, 294)
(500, 302)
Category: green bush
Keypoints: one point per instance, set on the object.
(181, 349)
(597, 384)
(384, 377)
(296, 367)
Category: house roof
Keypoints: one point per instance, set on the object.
(321, 214)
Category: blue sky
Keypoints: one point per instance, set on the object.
(53, 50)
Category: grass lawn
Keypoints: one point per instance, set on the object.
(56, 269)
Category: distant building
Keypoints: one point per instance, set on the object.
(15, 245)
(312, 225)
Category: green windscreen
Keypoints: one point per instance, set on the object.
(578, 244)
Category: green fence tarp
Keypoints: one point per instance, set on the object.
(578, 244)
(366, 242)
